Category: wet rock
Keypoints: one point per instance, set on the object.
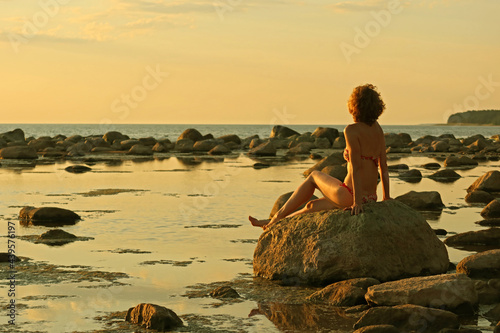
(431, 166)
(411, 176)
(481, 265)
(430, 200)
(113, 136)
(303, 148)
(231, 138)
(454, 292)
(326, 132)
(6, 257)
(261, 165)
(336, 171)
(440, 232)
(440, 146)
(393, 140)
(220, 150)
(454, 161)
(386, 242)
(245, 143)
(489, 182)
(333, 159)
(305, 137)
(409, 318)
(378, 329)
(493, 314)
(344, 293)
(322, 143)
(149, 141)
(18, 152)
(41, 143)
(255, 143)
(159, 148)
(140, 149)
(315, 156)
(489, 223)
(16, 135)
(152, 316)
(339, 143)
(184, 146)
(224, 292)
(265, 149)
(99, 150)
(488, 237)
(492, 210)
(48, 216)
(79, 149)
(282, 199)
(191, 134)
(282, 132)
(205, 145)
(487, 293)
(445, 176)
(398, 167)
(78, 169)
(478, 196)
(471, 139)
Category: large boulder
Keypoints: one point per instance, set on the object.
(429, 200)
(281, 201)
(191, 134)
(282, 132)
(489, 182)
(478, 196)
(409, 318)
(16, 135)
(492, 210)
(446, 291)
(154, 317)
(231, 138)
(18, 152)
(265, 149)
(481, 265)
(394, 140)
(462, 161)
(205, 145)
(333, 159)
(140, 149)
(48, 216)
(326, 132)
(386, 242)
(111, 136)
(344, 293)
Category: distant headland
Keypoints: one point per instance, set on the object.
(483, 117)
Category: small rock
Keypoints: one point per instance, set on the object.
(478, 196)
(344, 293)
(48, 215)
(430, 200)
(265, 149)
(454, 161)
(398, 167)
(489, 182)
(411, 176)
(220, 150)
(224, 292)
(492, 210)
(259, 165)
(152, 316)
(282, 132)
(77, 168)
(446, 176)
(489, 223)
(481, 265)
(440, 232)
(191, 134)
(488, 237)
(315, 156)
(431, 166)
(6, 257)
(56, 234)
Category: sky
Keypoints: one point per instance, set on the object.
(245, 61)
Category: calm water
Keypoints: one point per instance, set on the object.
(169, 217)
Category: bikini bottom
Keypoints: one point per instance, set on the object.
(366, 198)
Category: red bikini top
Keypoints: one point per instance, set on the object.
(371, 158)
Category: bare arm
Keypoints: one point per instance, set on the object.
(352, 143)
(384, 172)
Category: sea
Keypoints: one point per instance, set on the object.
(167, 229)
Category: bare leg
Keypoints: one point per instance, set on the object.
(258, 223)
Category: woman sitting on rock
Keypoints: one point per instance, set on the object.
(365, 153)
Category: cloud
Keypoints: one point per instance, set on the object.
(356, 6)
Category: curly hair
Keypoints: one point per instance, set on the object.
(365, 104)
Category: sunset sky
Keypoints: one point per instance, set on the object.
(245, 61)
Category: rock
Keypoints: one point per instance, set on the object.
(322, 143)
(454, 161)
(409, 318)
(326, 132)
(41, 143)
(492, 210)
(386, 242)
(184, 146)
(152, 316)
(56, 234)
(497, 328)
(74, 138)
(431, 166)
(462, 330)
(479, 196)
(440, 232)
(255, 143)
(282, 132)
(393, 140)
(305, 137)
(113, 136)
(337, 171)
(281, 201)
(489, 182)
(127, 144)
(259, 165)
(453, 292)
(6, 257)
(430, 200)
(78, 169)
(378, 329)
(445, 176)
(220, 150)
(440, 146)
(265, 149)
(47, 215)
(159, 148)
(344, 293)
(190, 134)
(79, 149)
(303, 148)
(487, 294)
(493, 314)
(339, 143)
(245, 143)
(315, 156)
(16, 135)
(398, 167)
(224, 292)
(333, 159)
(392, 150)
(411, 176)
(230, 138)
(97, 150)
(489, 222)
(488, 237)
(140, 149)
(205, 145)
(481, 265)
(18, 153)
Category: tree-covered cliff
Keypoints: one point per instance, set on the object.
(484, 117)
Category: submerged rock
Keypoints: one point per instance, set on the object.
(431, 166)
(411, 176)
(78, 168)
(224, 292)
(152, 316)
(48, 216)
(344, 293)
(462, 161)
(409, 318)
(481, 265)
(454, 292)
(386, 242)
(446, 176)
(489, 182)
(430, 200)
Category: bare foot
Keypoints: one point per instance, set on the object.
(254, 312)
(258, 223)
